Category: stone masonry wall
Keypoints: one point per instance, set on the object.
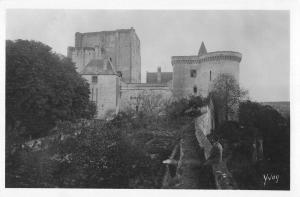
(105, 93)
(131, 94)
(223, 178)
(122, 46)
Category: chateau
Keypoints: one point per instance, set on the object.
(111, 63)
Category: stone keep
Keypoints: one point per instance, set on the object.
(121, 47)
(193, 75)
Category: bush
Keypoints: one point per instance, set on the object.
(92, 154)
(271, 126)
(185, 107)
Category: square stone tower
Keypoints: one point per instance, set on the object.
(121, 47)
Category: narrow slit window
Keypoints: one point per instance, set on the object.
(92, 94)
(195, 89)
(210, 75)
(96, 95)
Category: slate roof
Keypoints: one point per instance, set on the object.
(151, 77)
(97, 67)
(202, 49)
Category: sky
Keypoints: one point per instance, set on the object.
(263, 38)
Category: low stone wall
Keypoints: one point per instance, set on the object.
(133, 95)
(203, 126)
(201, 137)
(223, 178)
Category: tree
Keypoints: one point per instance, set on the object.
(275, 132)
(272, 126)
(41, 88)
(226, 95)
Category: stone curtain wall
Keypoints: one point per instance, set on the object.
(132, 95)
(203, 126)
(105, 94)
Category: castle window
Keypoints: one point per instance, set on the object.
(210, 75)
(102, 50)
(195, 89)
(92, 94)
(119, 73)
(193, 73)
(96, 95)
(94, 79)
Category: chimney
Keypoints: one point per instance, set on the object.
(78, 39)
(159, 74)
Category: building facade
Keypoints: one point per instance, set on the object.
(104, 86)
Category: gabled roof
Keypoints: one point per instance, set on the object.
(202, 49)
(151, 77)
(98, 67)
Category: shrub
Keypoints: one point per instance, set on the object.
(100, 155)
(185, 107)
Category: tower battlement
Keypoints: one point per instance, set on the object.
(212, 56)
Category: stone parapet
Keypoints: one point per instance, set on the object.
(81, 48)
(106, 32)
(143, 86)
(213, 56)
(223, 178)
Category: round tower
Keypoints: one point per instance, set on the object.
(193, 75)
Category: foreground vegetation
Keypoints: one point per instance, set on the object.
(126, 152)
(250, 163)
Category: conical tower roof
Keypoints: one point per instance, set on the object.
(202, 49)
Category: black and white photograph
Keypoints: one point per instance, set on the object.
(147, 99)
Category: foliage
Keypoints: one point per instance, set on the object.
(185, 107)
(275, 132)
(42, 87)
(272, 127)
(233, 132)
(150, 103)
(257, 122)
(99, 155)
(226, 95)
(229, 131)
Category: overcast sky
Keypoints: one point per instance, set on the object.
(261, 36)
